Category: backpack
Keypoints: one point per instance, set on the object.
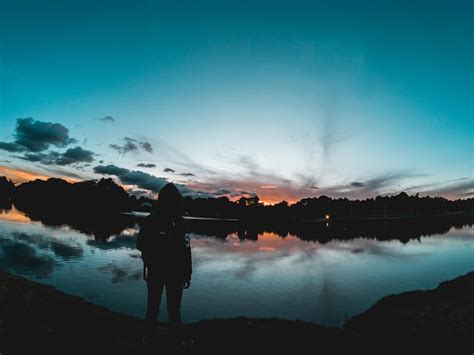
(162, 250)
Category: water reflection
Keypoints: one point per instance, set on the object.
(323, 278)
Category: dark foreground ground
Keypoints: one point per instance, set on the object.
(35, 317)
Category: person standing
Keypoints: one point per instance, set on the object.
(166, 253)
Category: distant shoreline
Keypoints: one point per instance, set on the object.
(141, 214)
(35, 317)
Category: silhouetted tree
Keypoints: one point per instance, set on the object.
(6, 192)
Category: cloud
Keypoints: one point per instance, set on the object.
(133, 177)
(128, 146)
(145, 181)
(110, 170)
(180, 159)
(69, 157)
(34, 138)
(379, 185)
(221, 192)
(146, 165)
(169, 170)
(147, 146)
(131, 145)
(48, 159)
(64, 173)
(458, 189)
(38, 136)
(106, 119)
(75, 155)
(11, 147)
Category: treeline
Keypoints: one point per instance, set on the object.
(104, 196)
(401, 205)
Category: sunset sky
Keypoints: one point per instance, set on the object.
(285, 99)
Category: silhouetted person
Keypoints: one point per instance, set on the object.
(166, 253)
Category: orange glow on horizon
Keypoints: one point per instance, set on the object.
(19, 176)
(14, 215)
(268, 194)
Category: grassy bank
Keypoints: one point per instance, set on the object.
(34, 317)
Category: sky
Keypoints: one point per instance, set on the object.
(283, 99)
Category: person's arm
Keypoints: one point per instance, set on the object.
(188, 258)
(188, 263)
(140, 238)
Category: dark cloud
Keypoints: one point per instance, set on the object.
(11, 147)
(37, 136)
(144, 181)
(70, 156)
(147, 146)
(221, 192)
(133, 177)
(107, 119)
(357, 184)
(128, 146)
(187, 174)
(75, 155)
(110, 170)
(146, 165)
(168, 170)
(43, 158)
(131, 145)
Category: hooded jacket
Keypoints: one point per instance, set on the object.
(163, 240)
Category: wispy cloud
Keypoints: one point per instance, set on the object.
(69, 157)
(146, 165)
(132, 145)
(461, 188)
(106, 119)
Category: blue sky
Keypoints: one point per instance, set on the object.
(282, 99)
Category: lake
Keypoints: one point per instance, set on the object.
(273, 276)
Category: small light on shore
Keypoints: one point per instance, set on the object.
(328, 216)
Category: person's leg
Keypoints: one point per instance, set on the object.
(155, 290)
(174, 293)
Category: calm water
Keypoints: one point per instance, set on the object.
(274, 276)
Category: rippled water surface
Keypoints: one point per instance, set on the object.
(271, 277)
